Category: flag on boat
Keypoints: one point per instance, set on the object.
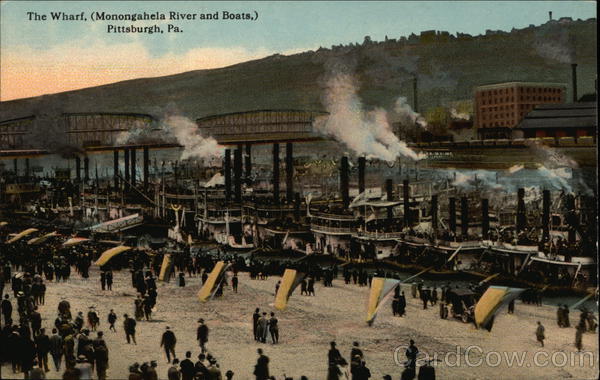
(381, 288)
(492, 300)
(41, 239)
(21, 235)
(110, 253)
(213, 281)
(75, 241)
(166, 268)
(290, 281)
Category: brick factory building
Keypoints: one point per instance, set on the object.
(501, 107)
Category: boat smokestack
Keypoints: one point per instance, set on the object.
(521, 221)
(344, 191)
(406, 200)
(27, 173)
(86, 168)
(78, 168)
(126, 164)
(248, 163)
(485, 219)
(237, 174)
(146, 167)
(574, 81)
(452, 214)
(276, 173)
(546, 215)
(289, 172)
(415, 95)
(434, 212)
(133, 167)
(389, 189)
(116, 168)
(571, 218)
(549, 15)
(464, 215)
(227, 174)
(362, 161)
(296, 206)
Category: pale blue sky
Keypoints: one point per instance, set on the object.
(281, 27)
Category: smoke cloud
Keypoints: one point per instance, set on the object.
(406, 114)
(174, 129)
(365, 132)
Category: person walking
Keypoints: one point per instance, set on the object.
(173, 372)
(539, 333)
(168, 341)
(112, 319)
(187, 367)
(42, 345)
(109, 280)
(129, 327)
(261, 330)
(579, 330)
(56, 349)
(202, 335)
(234, 282)
(261, 369)
(255, 318)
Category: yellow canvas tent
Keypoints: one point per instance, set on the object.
(166, 268)
(289, 282)
(213, 280)
(110, 253)
(380, 288)
(41, 239)
(21, 235)
(75, 241)
(492, 300)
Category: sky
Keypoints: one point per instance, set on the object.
(47, 56)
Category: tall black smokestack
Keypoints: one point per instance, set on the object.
(434, 212)
(289, 172)
(546, 215)
(227, 174)
(133, 167)
(550, 15)
(86, 168)
(361, 174)
(248, 163)
(464, 215)
(406, 199)
(146, 167)
(344, 191)
(389, 189)
(574, 81)
(78, 168)
(237, 173)
(116, 168)
(415, 95)
(296, 206)
(571, 218)
(276, 173)
(485, 219)
(452, 214)
(521, 210)
(27, 172)
(126, 165)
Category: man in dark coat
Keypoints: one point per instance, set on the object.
(261, 369)
(56, 348)
(202, 334)
(255, 318)
(187, 367)
(402, 305)
(42, 344)
(7, 310)
(168, 341)
(129, 327)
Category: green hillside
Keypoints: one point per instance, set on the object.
(448, 68)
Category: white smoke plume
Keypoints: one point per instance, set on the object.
(557, 177)
(187, 134)
(407, 115)
(473, 179)
(174, 130)
(365, 132)
(456, 115)
(552, 157)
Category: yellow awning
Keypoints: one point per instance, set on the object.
(74, 241)
(41, 239)
(492, 300)
(289, 282)
(109, 254)
(21, 235)
(166, 268)
(213, 280)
